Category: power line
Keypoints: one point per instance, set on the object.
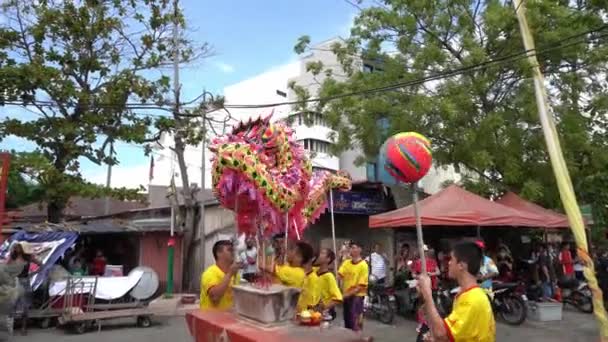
(434, 77)
(399, 85)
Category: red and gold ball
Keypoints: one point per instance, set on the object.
(408, 156)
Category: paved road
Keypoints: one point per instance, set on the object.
(574, 328)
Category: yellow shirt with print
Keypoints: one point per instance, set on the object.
(290, 276)
(328, 288)
(354, 274)
(471, 318)
(310, 292)
(212, 277)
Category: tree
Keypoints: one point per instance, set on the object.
(20, 190)
(482, 120)
(84, 67)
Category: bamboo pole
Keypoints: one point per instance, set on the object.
(419, 235)
(333, 227)
(564, 183)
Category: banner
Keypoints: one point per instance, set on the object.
(359, 202)
(47, 247)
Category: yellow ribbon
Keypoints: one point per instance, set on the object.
(564, 183)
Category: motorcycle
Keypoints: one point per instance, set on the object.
(380, 302)
(407, 300)
(576, 293)
(509, 301)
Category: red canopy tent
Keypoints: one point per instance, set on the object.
(554, 220)
(455, 206)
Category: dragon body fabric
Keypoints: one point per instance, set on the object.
(264, 175)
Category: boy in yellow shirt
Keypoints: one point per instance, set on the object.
(329, 292)
(309, 297)
(217, 280)
(354, 273)
(292, 273)
(471, 318)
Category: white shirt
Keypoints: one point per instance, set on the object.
(378, 265)
(251, 254)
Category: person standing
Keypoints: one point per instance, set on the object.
(354, 273)
(329, 292)
(217, 280)
(378, 262)
(471, 318)
(344, 253)
(23, 261)
(488, 269)
(402, 258)
(309, 297)
(566, 261)
(579, 268)
(99, 264)
(544, 273)
(250, 257)
(432, 270)
(431, 266)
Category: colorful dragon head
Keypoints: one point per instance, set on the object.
(262, 173)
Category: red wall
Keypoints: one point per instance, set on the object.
(153, 253)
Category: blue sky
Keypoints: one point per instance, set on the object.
(248, 37)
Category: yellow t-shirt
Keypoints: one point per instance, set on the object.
(354, 274)
(328, 288)
(310, 292)
(213, 276)
(290, 276)
(471, 318)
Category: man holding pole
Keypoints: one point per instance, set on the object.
(471, 318)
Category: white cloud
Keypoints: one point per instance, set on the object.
(225, 67)
(122, 176)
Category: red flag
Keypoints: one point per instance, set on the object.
(151, 168)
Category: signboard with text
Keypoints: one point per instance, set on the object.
(360, 202)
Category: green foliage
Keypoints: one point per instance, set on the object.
(20, 190)
(484, 121)
(33, 178)
(80, 64)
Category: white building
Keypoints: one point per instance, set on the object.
(272, 87)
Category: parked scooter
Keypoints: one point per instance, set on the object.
(407, 300)
(380, 302)
(577, 293)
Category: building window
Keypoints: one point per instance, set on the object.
(314, 145)
(281, 93)
(371, 172)
(369, 68)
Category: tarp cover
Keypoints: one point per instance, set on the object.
(553, 219)
(108, 288)
(454, 206)
(47, 247)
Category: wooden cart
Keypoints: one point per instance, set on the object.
(81, 312)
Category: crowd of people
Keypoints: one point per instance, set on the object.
(298, 266)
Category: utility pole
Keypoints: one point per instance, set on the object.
(109, 179)
(203, 186)
(171, 243)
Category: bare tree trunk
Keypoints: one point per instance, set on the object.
(54, 211)
(189, 225)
